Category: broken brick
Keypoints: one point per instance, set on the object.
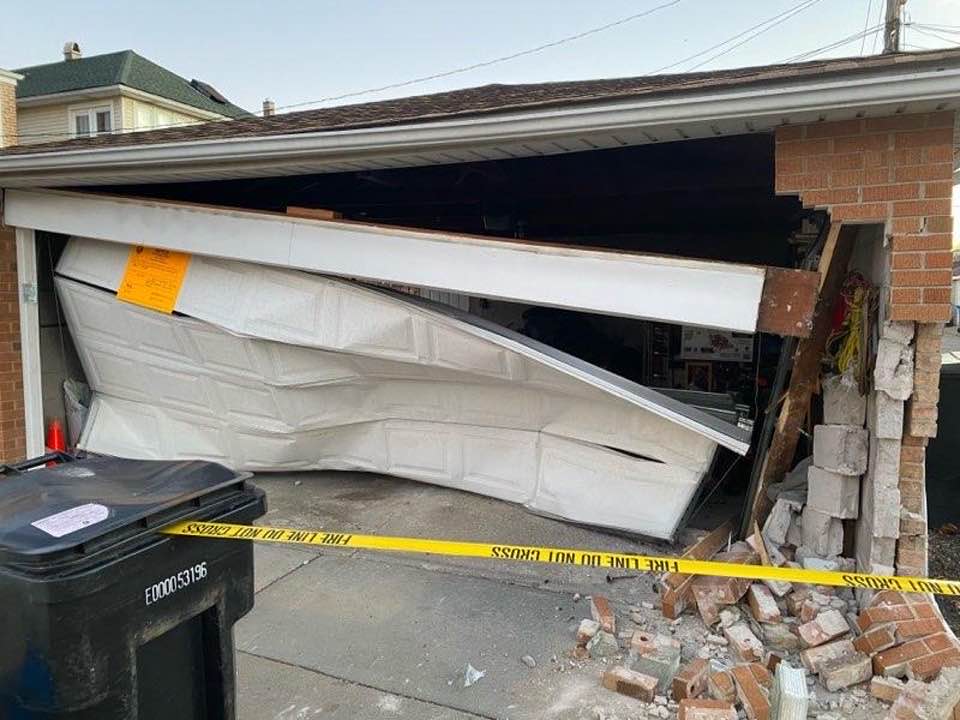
(845, 671)
(886, 689)
(816, 657)
(875, 640)
(913, 629)
(762, 604)
(629, 682)
(751, 692)
(825, 627)
(881, 614)
(893, 662)
(588, 628)
(706, 710)
(928, 667)
(711, 593)
(691, 681)
(720, 686)
(602, 613)
(744, 645)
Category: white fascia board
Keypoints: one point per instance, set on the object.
(11, 78)
(670, 289)
(763, 106)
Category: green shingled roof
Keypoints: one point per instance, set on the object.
(119, 68)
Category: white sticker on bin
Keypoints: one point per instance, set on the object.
(69, 521)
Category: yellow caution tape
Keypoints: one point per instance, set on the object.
(559, 556)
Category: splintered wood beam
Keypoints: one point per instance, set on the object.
(834, 260)
(675, 588)
(787, 302)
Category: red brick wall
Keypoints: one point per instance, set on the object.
(895, 170)
(12, 428)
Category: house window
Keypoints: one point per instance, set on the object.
(90, 122)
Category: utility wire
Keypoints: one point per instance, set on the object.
(833, 45)
(931, 34)
(880, 19)
(710, 59)
(424, 78)
(866, 22)
(801, 6)
(494, 61)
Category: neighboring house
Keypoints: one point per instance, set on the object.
(116, 92)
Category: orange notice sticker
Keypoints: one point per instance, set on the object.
(153, 278)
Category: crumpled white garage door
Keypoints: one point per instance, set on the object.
(272, 369)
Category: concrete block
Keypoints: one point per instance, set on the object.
(880, 511)
(603, 645)
(846, 671)
(630, 683)
(657, 656)
(893, 372)
(795, 531)
(898, 332)
(832, 493)
(842, 402)
(840, 448)
(778, 521)
(885, 416)
(789, 699)
(883, 468)
(822, 533)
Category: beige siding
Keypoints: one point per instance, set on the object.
(42, 124)
(141, 115)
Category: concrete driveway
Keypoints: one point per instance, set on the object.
(355, 635)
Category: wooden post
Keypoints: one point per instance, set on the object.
(803, 379)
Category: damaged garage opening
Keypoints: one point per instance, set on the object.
(651, 396)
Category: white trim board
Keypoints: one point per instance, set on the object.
(30, 340)
(678, 290)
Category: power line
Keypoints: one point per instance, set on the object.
(710, 59)
(421, 79)
(805, 4)
(873, 44)
(931, 34)
(836, 44)
(488, 63)
(866, 22)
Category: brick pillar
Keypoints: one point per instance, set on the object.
(13, 442)
(896, 171)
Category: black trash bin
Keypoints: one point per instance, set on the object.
(101, 616)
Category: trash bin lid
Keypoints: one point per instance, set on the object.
(62, 507)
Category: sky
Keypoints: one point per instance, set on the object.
(300, 52)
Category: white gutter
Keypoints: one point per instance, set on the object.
(759, 107)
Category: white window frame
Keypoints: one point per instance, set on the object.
(91, 112)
